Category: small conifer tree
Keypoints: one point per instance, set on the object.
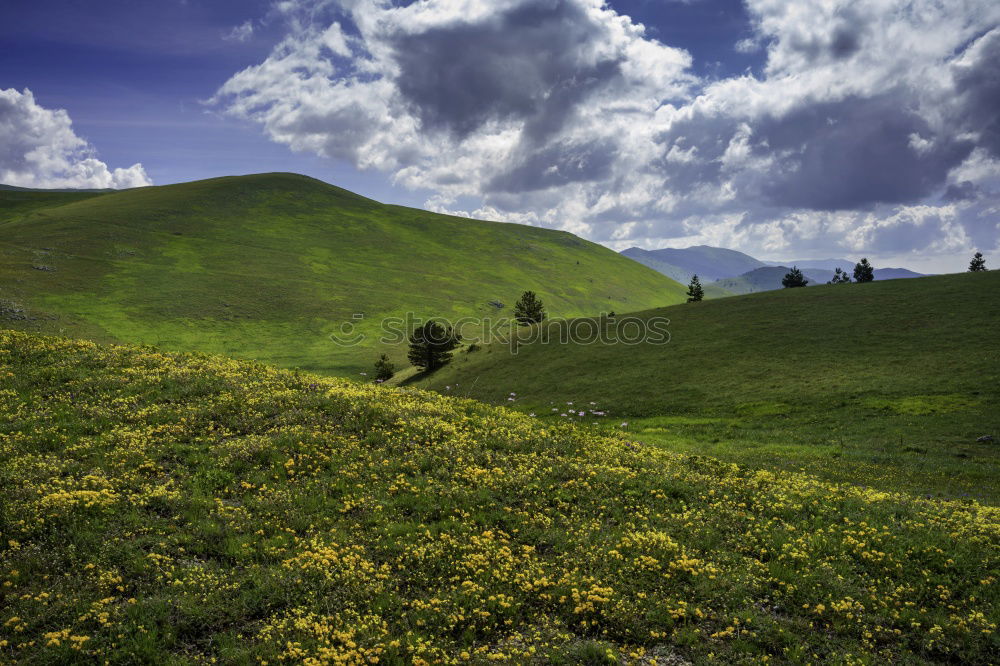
(863, 271)
(529, 309)
(695, 291)
(794, 278)
(978, 263)
(384, 368)
(431, 345)
(840, 277)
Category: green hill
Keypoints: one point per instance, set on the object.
(194, 509)
(889, 383)
(268, 266)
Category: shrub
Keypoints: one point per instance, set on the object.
(384, 368)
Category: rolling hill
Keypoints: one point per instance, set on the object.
(207, 510)
(889, 383)
(269, 266)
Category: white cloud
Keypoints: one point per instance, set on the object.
(241, 33)
(564, 113)
(38, 148)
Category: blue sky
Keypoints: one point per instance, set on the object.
(742, 123)
(134, 76)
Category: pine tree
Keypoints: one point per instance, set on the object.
(384, 368)
(863, 271)
(529, 309)
(431, 345)
(695, 291)
(840, 277)
(977, 264)
(794, 278)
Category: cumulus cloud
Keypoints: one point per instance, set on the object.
(565, 113)
(38, 148)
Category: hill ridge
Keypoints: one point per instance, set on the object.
(269, 266)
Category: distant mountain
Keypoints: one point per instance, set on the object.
(895, 273)
(769, 278)
(724, 272)
(824, 264)
(709, 263)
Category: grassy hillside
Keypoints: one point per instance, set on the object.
(268, 266)
(888, 383)
(171, 509)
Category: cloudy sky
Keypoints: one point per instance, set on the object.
(783, 128)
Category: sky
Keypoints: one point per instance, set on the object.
(781, 128)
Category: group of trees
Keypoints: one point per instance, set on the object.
(863, 272)
(431, 344)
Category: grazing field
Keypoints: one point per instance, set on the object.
(888, 384)
(189, 509)
(269, 266)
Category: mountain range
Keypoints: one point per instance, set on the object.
(725, 272)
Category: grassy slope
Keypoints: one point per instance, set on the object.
(267, 266)
(888, 383)
(163, 509)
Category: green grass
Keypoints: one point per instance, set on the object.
(195, 509)
(268, 266)
(887, 384)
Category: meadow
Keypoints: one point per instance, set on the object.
(186, 509)
(888, 384)
(269, 266)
